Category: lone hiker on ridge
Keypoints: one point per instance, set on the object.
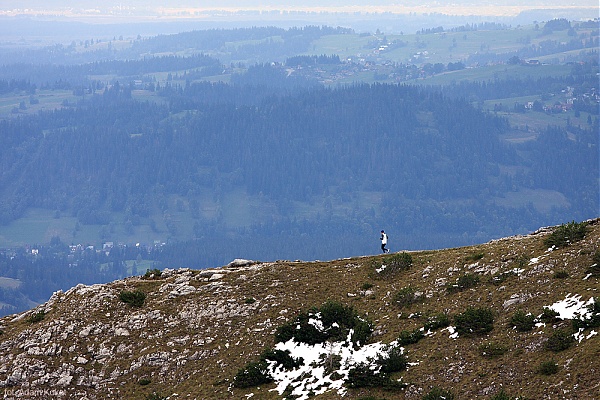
(384, 239)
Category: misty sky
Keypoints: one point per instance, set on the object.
(396, 6)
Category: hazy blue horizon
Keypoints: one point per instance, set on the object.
(181, 7)
(60, 20)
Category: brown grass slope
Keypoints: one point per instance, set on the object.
(197, 328)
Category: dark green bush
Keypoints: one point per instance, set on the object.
(144, 382)
(492, 350)
(253, 374)
(395, 264)
(362, 331)
(522, 321)
(282, 358)
(441, 320)
(474, 322)
(366, 286)
(410, 337)
(548, 368)
(475, 256)
(561, 274)
(594, 269)
(392, 360)
(439, 394)
(407, 296)
(591, 319)
(363, 375)
(154, 273)
(560, 340)
(566, 234)
(337, 321)
(549, 315)
(37, 317)
(376, 374)
(301, 331)
(257, 373)
(250, 300)
(464, 282)
(135, 298)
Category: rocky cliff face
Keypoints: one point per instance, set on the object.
(191, 331)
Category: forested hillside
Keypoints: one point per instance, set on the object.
(194, 149)
(371, 155)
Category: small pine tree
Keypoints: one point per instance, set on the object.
(522, 321)
(474, 322)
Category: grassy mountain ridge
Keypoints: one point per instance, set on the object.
(188, 332)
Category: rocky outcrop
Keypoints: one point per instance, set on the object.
(195, 329)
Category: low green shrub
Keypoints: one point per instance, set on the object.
(464, 282)
(522, 321)
(377, 374)
(392, 360)
(37, 317)
(366, 286)
(560, 340)
(549, 315)
(154, 273)
(250, 300)
(474, 322)
(562, 274)
(594, 269)
(492, 350)
(144, 382)
(410, 337)
(439, 394)
(335, 323)
(395, 264)
(282, 358)
(438, 321)
(257, 373)
(591, 318)
(407, 296)
(363, 375)
(253, 374)
(566, 234)
(475, 256)
(135, 298)
(548, 367)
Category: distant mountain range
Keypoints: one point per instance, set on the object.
(62, 22)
